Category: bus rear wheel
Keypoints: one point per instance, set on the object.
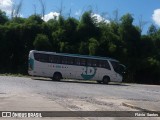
(106, 80)
(57, 77)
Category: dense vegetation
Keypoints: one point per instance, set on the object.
(119, 39)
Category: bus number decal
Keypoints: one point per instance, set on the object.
(88, 73)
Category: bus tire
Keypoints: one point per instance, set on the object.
(106, 80)
(57, 76)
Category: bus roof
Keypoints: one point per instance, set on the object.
(76, 55)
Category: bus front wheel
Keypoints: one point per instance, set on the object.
(57, 76)
(106, 80)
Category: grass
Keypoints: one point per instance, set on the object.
(14, 75)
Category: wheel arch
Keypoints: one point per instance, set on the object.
(106, 79)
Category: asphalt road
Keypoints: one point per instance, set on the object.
(77, 95)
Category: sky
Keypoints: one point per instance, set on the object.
(144, 10)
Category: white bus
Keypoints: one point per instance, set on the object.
(74, 66)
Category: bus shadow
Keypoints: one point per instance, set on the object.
(41, 79)
(79, 81)
(119, 84)
(92, 82)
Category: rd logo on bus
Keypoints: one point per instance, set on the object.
(88, 73)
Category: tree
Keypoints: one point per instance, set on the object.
(18, 20)
(70, 30)
(64, 47)
(93, 46)
(3, 17)
(87, 27)
(42, 43)
(83, 48)
(130, 35)
(52, 24)
(149, 71)
(156, 40)
(34, 19)
(154, 35)
(152, 30)
(147, 48)
(127, 20)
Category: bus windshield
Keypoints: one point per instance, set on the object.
(118, 68)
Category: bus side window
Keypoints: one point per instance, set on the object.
(94, 63)
(57, 59)
(51, 58)
(100, 64)
(83, 62)
(64, 60)
(77, 61)
(70, 60)
(104, 64)
(89, 62)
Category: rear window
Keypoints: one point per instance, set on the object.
(41, 57)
